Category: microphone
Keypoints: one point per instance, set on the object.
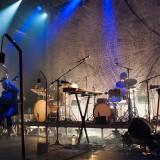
(83, 59)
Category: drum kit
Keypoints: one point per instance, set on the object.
(108, 107)
(104, 107)
(52, 104)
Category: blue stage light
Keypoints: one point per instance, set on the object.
(39, 8)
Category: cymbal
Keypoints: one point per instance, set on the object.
(130, 82)
(40, 93)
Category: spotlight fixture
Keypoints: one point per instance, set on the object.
(39, 8)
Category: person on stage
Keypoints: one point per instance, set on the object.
(8, 104)
(121, 84)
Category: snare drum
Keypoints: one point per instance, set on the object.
(104, 109)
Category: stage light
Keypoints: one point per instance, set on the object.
(44, 15)
(8, 12)
(39, 8)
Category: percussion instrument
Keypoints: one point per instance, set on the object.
(102, 100)
(40, 110)
(104, 109)
(40, 93)
(115, 95)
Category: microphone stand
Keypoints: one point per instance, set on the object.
(21, 92)
(58, 91)
(146, 81)
(128, 95)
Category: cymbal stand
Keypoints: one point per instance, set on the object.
(58, 91)
(147, 80)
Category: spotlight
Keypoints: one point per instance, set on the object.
(39, 8)
(44, 15)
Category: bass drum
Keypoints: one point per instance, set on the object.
(104, 110)
(40, 110)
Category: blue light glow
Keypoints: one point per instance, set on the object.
(108, 15)
(7, 15)
(39, 8)
(63, 16)
(109, 32)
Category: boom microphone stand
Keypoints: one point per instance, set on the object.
(58, 85)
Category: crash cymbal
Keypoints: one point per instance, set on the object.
(130, 82)
(40, 93)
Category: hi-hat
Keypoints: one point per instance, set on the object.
(40, 93)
